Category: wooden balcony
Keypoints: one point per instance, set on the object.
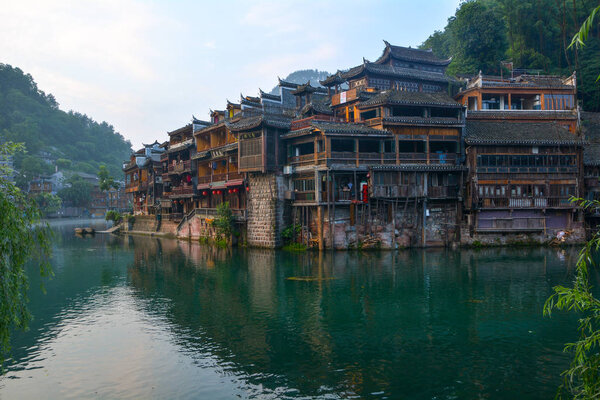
(349, 157)
(251, 162)
(136, 187)
(181, 191)
(229, 176)
(180, 167)
(524, 202)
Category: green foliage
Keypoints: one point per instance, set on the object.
(30, 167)
(63, 163)
(23, 238)
(224, 222)
(30, 116)
(297, 247)
(106, 181)
(582, 379)
(533, 34)
(78, 193)
(290, 233)
(48, 203)
(113, 215)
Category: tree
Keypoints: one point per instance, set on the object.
(78, 193)
(106, 181)
(63, 163)
(582, 379)
(48, 203)
(23, 239)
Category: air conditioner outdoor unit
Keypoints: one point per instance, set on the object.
(288, 169)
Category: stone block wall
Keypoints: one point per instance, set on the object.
(144, 223)
(265, 210)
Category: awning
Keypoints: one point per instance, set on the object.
(235, 182)
(204, 186)
(218, 185)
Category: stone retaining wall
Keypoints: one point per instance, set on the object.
(265, 210)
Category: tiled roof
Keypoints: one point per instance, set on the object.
(346, 128)
(422, 121)
(386, 70)
(275, 121)
(185, 129)
(411, 98)
(308, 88)
(265, 95)
(518, 133)
(319, 106)
(410, 54)
(287, 84)
(522, 114)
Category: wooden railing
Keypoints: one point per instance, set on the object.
(182, 190)
(524, 202)
(251, 162)
(219, 177)
(180, 167)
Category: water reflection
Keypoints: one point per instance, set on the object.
(146, 317)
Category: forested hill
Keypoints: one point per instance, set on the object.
(29, 115)
(533, 34)
(304, 75)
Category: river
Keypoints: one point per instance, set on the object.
(141, 317)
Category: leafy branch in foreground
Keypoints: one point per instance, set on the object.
(582, 379)
(22, 237)
(581, 36)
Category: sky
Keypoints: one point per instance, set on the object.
(146, 67)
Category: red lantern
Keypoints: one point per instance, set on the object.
(204, 193)
(229, 191)
(235, 190)
(247, 188)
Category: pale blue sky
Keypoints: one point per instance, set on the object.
(147, 66)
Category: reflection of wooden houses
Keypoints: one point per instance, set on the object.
(179, 178)
(521, 177)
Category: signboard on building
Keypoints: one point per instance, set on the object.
(342, 97)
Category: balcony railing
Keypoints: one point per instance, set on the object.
(525, 202)
(229, 176)
(182, 166)
(181, 191)
(251, 162)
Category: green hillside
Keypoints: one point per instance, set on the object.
(533, 34)
(68, 139)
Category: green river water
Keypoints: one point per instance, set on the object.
(140, 317)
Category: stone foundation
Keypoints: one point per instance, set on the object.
(577, 236)
(265, 210)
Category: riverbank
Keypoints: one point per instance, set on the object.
(200, 228)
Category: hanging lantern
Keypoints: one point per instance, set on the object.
(204, 193)
(235, 190)
(229, 191)
(247, 188)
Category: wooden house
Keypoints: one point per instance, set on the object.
(179, 178)
(521, 177)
